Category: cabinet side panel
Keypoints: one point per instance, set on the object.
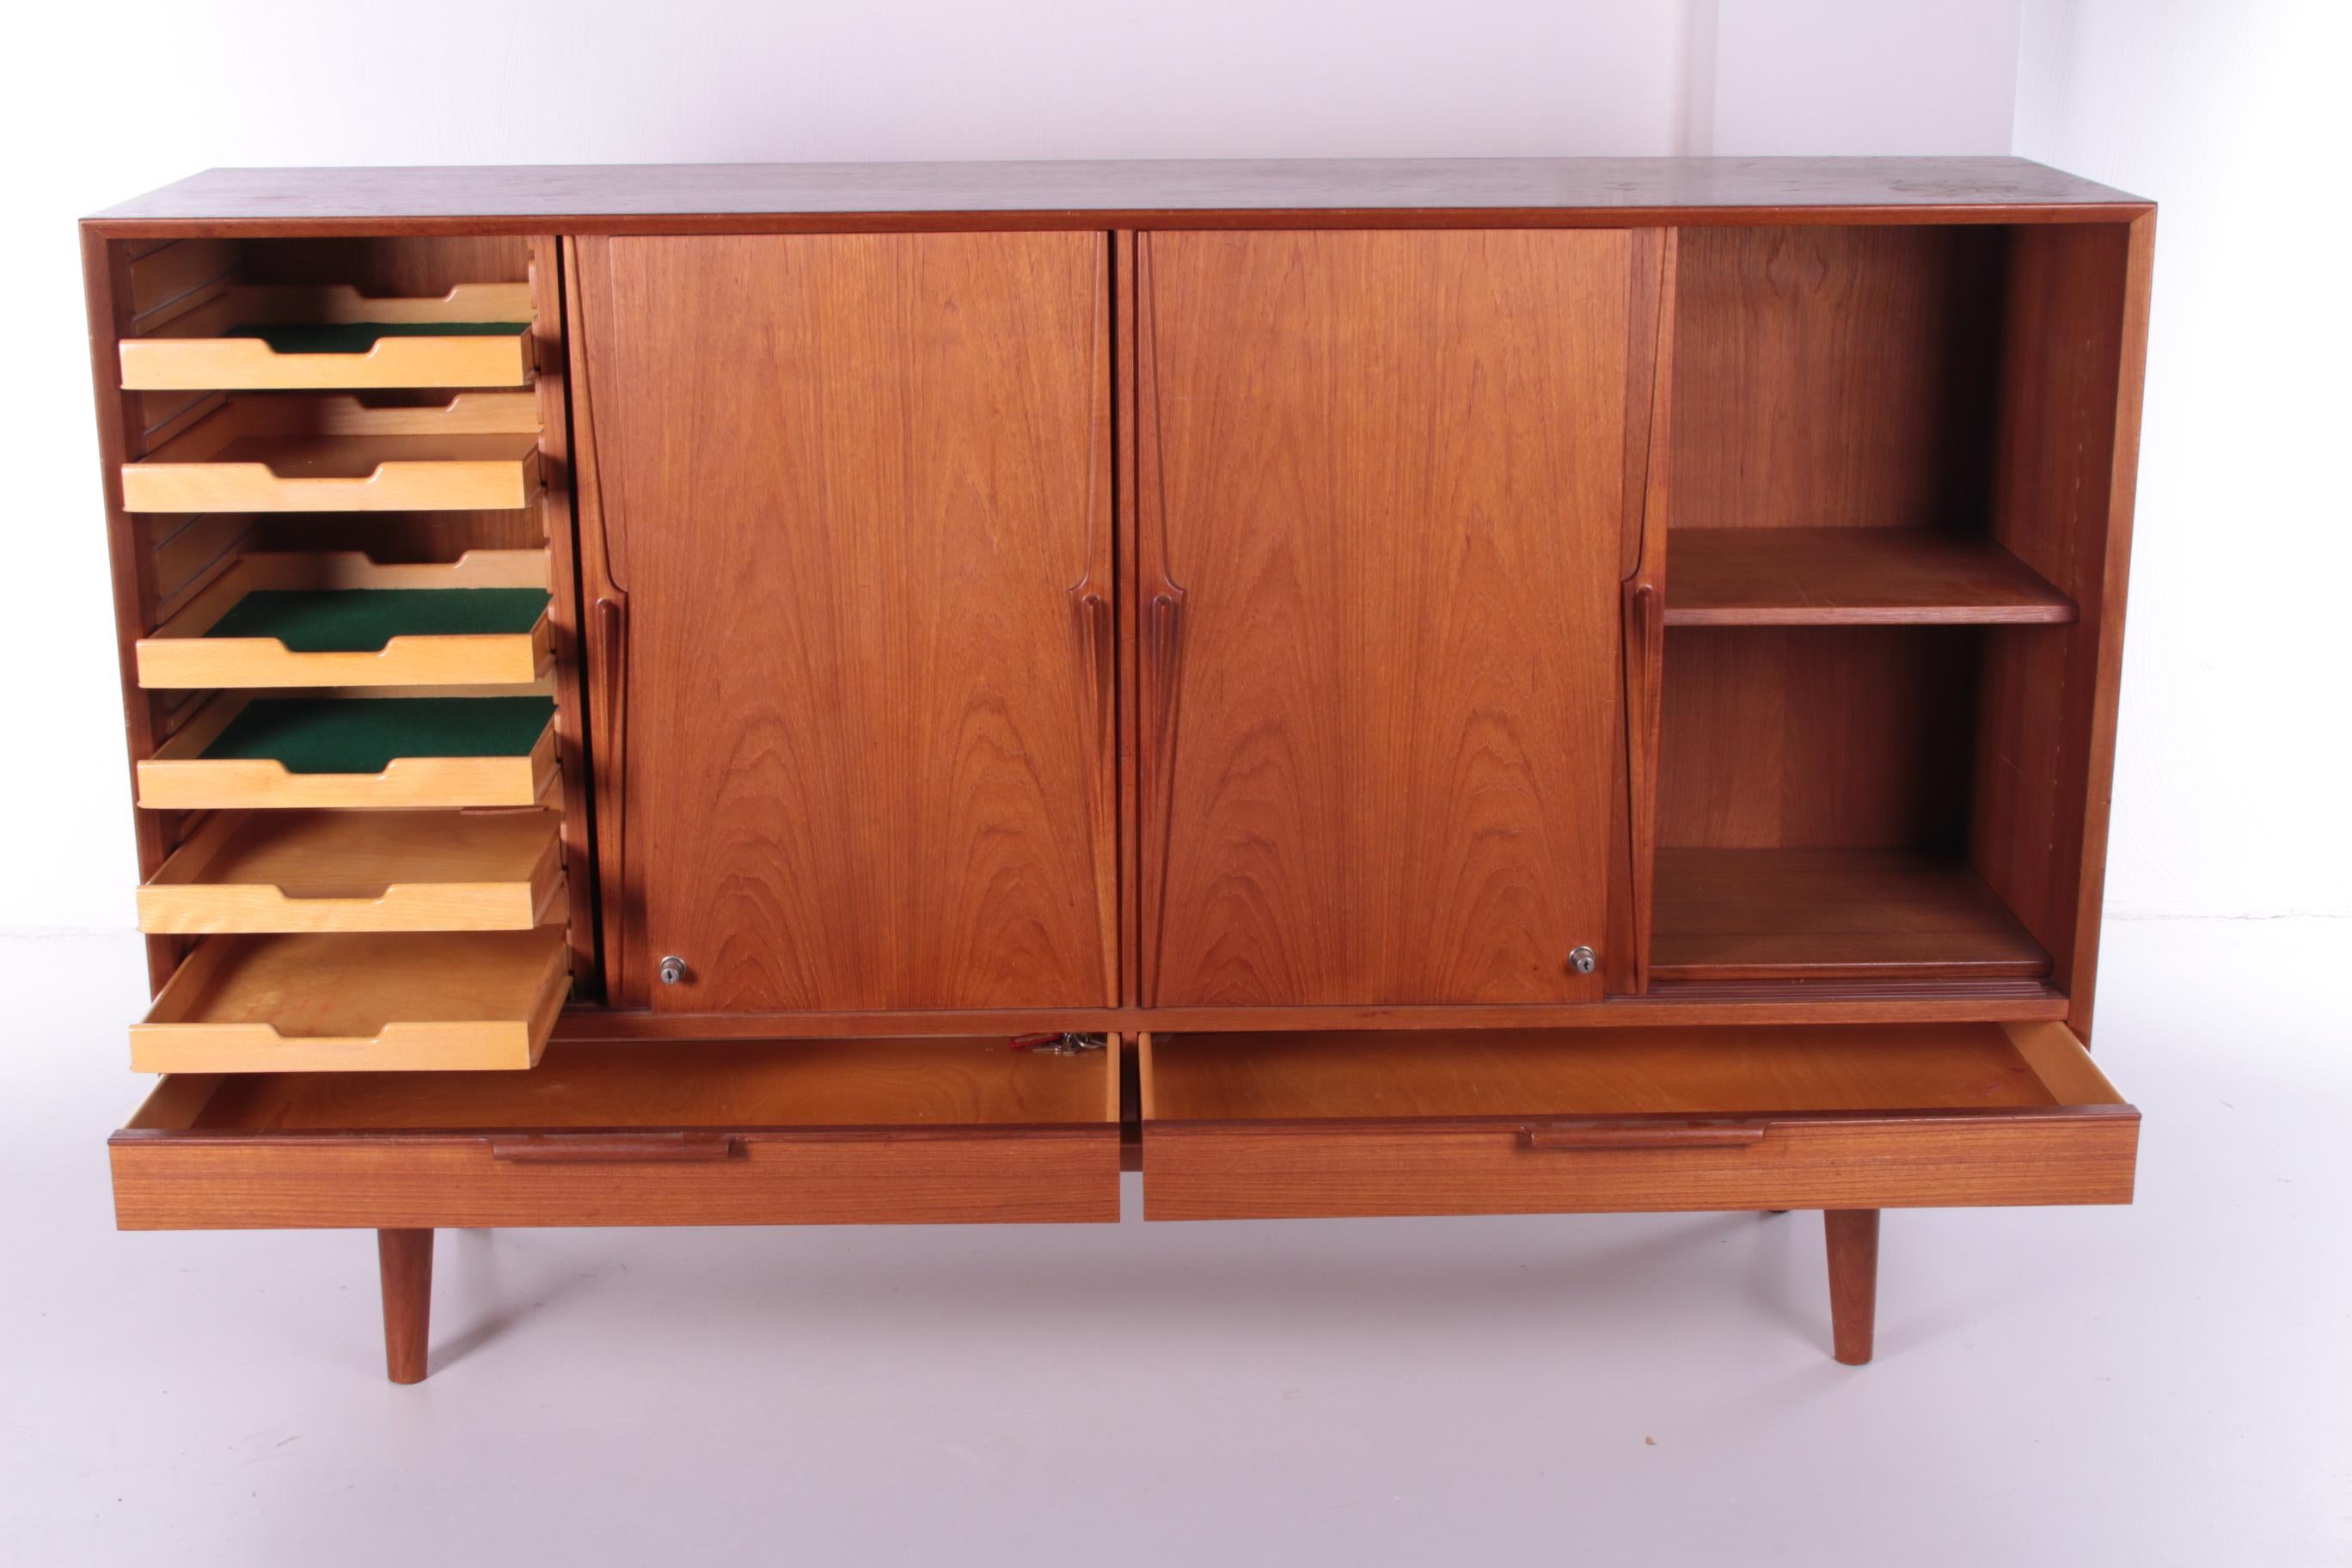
(2074, 352)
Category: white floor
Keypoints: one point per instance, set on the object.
(2167, 1384)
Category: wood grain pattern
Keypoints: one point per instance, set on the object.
(948, 1082)
(1972, 1159)
(1644, 615)
(131, 558)
(1836, 377)
(1906, 1000)
(1853, 576)
(1296, 1126)
(1380, 470)
(1852, 1241)
(379, 1003)
(2074, 361)
(179, 358)
(1810, 737)
(404, 1265)
(346, 871)
(893, 516)
(886, 1176)
(181, 654)
(1269, 193)
(1826, 914)
(341, 473)
(179, 776)
(914, 1131)
(1666, 1071)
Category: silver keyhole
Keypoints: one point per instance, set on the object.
(1584, 959)
(673, 970)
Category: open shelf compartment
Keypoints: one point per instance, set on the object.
(297, 619)
(361, 871)
(409, 1002)
(1832, 914)
(293, 337)
(477, 452)
(282, 752)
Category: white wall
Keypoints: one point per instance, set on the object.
(2232, 767)
(133, 94)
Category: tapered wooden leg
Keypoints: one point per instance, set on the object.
(405, 1259)
(1854, 1280)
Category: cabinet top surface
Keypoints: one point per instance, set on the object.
(603, 197)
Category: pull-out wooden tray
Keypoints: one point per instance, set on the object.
(434, 1001)
(748, 1132)
(479, 452)
(1605, 1119)
(283, 752)
(361, 871)
(298, 618)
(478, 334)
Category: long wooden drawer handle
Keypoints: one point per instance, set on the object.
(1640, 1137)
(613, 1148)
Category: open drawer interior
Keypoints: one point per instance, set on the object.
(753, 1132)
(293, 336)
(380, 1002)
(361, 871)
(381, 752)
(283, 618)
(281, 452)
(1655, 1117)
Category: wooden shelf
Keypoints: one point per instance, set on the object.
(1832, 914)
(285, 752)
(295, 619)
(479, 452)
(1852, 576)
(478, 334)
(411, 1002)
(361, 871)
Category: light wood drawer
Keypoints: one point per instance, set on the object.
(355, 751)
(479, 452)
(748, 1132)
(362, 871)
(478, 334)
(1604, 1119)
(405, 1001)
(297, 618)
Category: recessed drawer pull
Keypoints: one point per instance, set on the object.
(1595, 1138)
(613, 1148)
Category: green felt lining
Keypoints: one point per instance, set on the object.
(364, 734)
(361, 620)
(358, 337)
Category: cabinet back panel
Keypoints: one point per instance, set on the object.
(1836, 377)
(416, 267)
(856, 491)
(1810, 737)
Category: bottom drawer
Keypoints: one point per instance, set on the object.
(1569, 1120)
(756, 1132)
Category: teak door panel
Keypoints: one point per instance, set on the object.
(858, 494)
(1381, 481)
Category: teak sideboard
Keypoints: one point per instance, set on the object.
(831, 694)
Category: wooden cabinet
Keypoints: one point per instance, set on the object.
(818, 695)
(856, 491)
